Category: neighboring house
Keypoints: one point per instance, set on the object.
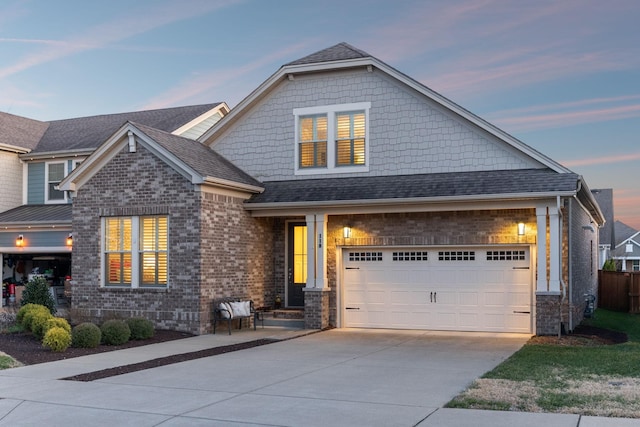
(347, 188)
(627, 248)
(606, 233)
(35, 216)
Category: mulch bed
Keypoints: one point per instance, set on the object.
(584, 336)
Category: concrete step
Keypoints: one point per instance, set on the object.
(283, 323)
(288, 313)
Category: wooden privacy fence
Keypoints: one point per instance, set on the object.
(619, 291)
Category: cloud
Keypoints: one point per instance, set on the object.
(200, 85)
(595, 161)
(102, 35)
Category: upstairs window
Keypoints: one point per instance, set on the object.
(55, 172)
(350, 138)
(347, 127)
(313, 141)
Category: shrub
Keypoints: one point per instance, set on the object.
(38, 322)
(36, 291)
(115, 332)
(141, 329)
(25, 309)
(57, 339)
(57, 322)
(86, 335)
(31, 312)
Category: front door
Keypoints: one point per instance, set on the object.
(297, 264)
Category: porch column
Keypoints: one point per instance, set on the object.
(316, 251)
(541, 282)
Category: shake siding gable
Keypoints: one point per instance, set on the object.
(407, 132)
(11, 178)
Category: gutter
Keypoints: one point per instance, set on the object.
(233, 185)
(57, 154)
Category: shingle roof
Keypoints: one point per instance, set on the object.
(417, 186)
(90, 132)
(36, 214)
(199, 157)
(20, 131)
(604, 197)
(340, 52)
(623, 232)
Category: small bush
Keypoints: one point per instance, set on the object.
(141, 329)
(86, 335)
(25, 309)
(115, 332)
(57, 322)
(57, 339)
(31, 312)
(36, 291)
(38, 322)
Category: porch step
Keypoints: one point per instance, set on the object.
(288, 313)
(282, 323)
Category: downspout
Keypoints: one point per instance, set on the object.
(570, 231)
(564, 286)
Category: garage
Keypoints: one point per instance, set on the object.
(459, 289)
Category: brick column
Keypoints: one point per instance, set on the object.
(316, 308)
(548, 314)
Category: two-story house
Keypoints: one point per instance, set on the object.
(350, 190)
(35, 216)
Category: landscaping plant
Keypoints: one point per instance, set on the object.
(36, 291)
(141, 329)
(57, 339)
(86, 335)
(115, 332)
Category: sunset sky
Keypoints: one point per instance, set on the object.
(562, 76)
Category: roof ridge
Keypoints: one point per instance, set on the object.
(124, 113)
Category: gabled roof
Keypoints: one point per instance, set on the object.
(340, 52)
(87, 133)
(20, 134)
(198, 163)
(604, 197)
(33, 215)
(527, 183)
(624, 233)
(626, 236)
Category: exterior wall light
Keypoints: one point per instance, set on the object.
(346, 232)
(521, 229)
(70, 240)
(20, 241)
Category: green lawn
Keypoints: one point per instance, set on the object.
(556, 378)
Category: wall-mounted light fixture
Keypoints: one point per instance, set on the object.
(346, 232)
(20, 241)
(521, 229)
(70, 240)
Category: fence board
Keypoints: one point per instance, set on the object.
(619, 291)
(634, 294)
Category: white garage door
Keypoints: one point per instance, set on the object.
(479, 289)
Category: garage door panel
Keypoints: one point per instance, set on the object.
(471, 290)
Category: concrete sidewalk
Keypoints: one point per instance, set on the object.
(342, 377)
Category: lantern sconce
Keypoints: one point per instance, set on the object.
(521, 229)
(70, 240)
(346, 232)
(20, 241)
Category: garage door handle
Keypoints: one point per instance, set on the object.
(353, 268)
(522, 312)
(432, 297)
(352, 308)
(520, 268)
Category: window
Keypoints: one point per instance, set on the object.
(350, 138)
(636, 265)
(313, 141)
(347, 124)
(55, 172)
(135, 262)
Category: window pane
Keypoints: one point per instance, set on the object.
(321, 128)
(300, 254)
(153, 255)
(350, 138)
(55, 194)
(358, 151)
(344, 152)
(56, 172)
(343, 126)
(306, 129)
(114, 264)
(358, 125)
(163, 233)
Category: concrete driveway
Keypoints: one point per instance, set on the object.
(342, 377)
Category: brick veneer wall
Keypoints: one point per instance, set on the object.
(316, 309)
(232, 258)
(548, 314)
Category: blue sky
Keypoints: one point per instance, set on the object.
(562, 76)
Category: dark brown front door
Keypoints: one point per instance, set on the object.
(297, 264)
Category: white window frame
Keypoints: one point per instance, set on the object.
(136, 279)
(64, 199)
(331, 111)
(635, 265)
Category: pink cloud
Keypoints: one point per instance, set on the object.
(594, 161)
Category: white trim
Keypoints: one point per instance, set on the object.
(65, 164)
(221, 108)
(35, 249)
(331, 111)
